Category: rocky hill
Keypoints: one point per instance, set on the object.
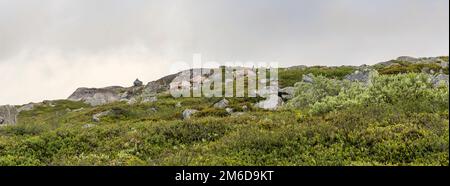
(390, 113)
(436, 67)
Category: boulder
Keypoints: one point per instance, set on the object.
(364, 75)
(229, 110)
(308, 78)
(222, 104)
(267, 91)
(188, 113)
(8, 115)
(271, 103)
(137, 83)
(287, 92)
(439, 80)
(95, 97)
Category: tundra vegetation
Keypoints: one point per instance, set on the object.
(399, 118)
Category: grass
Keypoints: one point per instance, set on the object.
(139, 135)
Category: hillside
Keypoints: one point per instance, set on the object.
(391, 113)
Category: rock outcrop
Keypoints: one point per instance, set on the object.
(8, 115)
(437, 60)
(271, 103)
(364, 75)
(97, 96)
(159, 85)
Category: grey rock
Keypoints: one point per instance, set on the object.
(95, 97)
(308, 78)
(188, 113)
(408, 59)
(244, 108)
(26, 107)
(229, 110)
(268, 91)
(132, 92)
(8, 115)
(222, 103)
(98, 116)
(159, 85)
(440, 80)
(287, 92)
(362, 75)
(273, 102)
(137, 83)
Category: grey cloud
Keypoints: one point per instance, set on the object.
(51, 43)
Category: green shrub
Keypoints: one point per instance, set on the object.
(309, 93)
(408, 92)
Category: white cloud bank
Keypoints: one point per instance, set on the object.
(50, 74)
(48, 48)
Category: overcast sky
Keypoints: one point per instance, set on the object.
(48, 48)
